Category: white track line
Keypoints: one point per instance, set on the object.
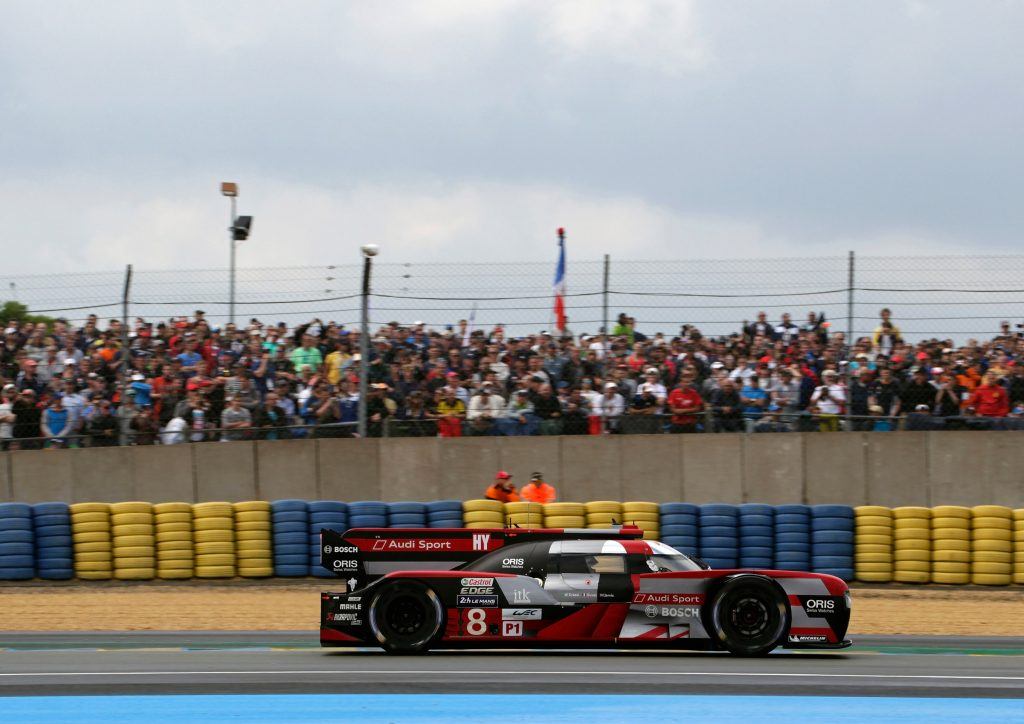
(519, 672)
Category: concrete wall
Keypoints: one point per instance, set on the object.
(899, 468)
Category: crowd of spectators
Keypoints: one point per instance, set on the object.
(188, 379)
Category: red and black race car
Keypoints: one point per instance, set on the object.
(409, 590)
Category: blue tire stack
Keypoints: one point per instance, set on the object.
(679, 525)
(368, 514)
(719, 535)
(757, 536)
(792, 537)
(290, 525)
(444, 514)
(407, 515)
(832, 540)
(54, 553)
(330, 514)
(17, 551)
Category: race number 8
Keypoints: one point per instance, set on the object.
(476, 622)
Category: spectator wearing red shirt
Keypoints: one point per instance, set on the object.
(991, 398)
(685, 403)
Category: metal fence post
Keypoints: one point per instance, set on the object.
(849, 343)
(604, 300)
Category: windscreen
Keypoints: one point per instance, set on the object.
(665, 558)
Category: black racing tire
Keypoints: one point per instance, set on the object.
(749, 615)
(406, 617)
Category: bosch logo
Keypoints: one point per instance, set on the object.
(651, 611)
(675, 612)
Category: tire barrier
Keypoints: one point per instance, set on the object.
(444, 514)
(1018, 545)
(719, 535)
(832, 540)
(912, 544)
(329, 514)
(603, 513)
(90, 536)
(368, 514)
(254, 550)
(17, 542)
(991, 545)
(407, 515)
(951, 544)
(680, 526)
(645, 516)
(872, 543)
(793, 537)
(133, 535)
(757, 536)
(213, 526)
(524, 514)
(175, 545)
(54, 552)
(290, 534)
(946, 544)
(483, 513)
(565, 515)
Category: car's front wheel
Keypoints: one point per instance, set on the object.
(749, 615)
(406, 617)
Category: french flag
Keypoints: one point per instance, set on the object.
(560, 284)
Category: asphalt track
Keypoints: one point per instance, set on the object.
(33, 664)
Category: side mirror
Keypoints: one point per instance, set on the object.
(701, 562)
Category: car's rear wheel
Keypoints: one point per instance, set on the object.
(749, 615)
(406, 617)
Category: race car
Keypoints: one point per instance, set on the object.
(410, 590)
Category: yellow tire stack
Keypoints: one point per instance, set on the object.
(134, 539)
(174, 556)
(214, 534)
(253, 546)
(603, 513)
(524, 514)
(1018, 545)
(565, 515)
(951, 544)
(873, 538)
(912, 544)
(645, 516)
(991, 545)
(483, 513)
(90, 533)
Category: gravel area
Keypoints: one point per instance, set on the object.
(294, 605)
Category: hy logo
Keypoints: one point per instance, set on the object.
(481, 541)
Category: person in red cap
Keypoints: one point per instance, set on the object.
(503, 490)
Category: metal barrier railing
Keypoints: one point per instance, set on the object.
(706, 423)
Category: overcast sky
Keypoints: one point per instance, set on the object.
(457, 130)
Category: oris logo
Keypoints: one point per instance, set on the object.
(512, 563)
(820, 604)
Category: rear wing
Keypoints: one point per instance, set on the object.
(362, 555)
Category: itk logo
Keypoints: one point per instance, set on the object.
(520, 596)
(481, 541)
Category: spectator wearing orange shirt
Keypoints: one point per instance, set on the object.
(537, 491)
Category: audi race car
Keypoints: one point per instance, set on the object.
(409, 590)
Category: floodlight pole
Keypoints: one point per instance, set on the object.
(231, 236)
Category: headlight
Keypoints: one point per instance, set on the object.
(849, 601)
